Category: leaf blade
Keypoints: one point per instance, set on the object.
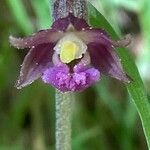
(136, 87)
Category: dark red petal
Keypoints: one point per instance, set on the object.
(105, 59)
(41, 37)
(102, 53)
(35, 62)
(123, 42)
(90, 35)
(63, 23)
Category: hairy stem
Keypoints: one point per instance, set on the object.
(64, 101)
(61, 8)
(64, 108)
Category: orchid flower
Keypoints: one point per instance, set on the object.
(71, 56)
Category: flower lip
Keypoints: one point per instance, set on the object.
(61, 78)
(83, 62)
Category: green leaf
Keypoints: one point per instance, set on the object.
(42, 12)
(21, 17)
(135, 88)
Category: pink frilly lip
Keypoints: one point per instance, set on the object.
(60, 77)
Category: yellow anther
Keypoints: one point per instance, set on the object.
(68, 51)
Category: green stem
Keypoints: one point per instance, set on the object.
(64, 105)
(61, 8)
(64, 101)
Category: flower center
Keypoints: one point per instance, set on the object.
(70, 47)
(68, 52)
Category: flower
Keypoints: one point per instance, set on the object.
(70, 56)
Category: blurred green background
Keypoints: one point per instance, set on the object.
(104, 116)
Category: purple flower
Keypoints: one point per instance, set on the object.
(70, 56)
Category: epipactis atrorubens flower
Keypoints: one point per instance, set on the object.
(70, 56)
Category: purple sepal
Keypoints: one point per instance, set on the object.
(41, 37)
(100, 36)
(36, 61)
(61, 78)
(105, 59)
(63, 23)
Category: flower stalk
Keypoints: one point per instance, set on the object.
(64, 101)
(64, 108)
(61, 8)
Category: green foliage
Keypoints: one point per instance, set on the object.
(104, 117)
(19, 12)
(136, 88)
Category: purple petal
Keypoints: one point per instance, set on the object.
(58, 77)
(63, 23)
(62, 79)
(105, 59)
(35, 62)
(90, 35)
(122, 42)
(41, 37)
(102, 53)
